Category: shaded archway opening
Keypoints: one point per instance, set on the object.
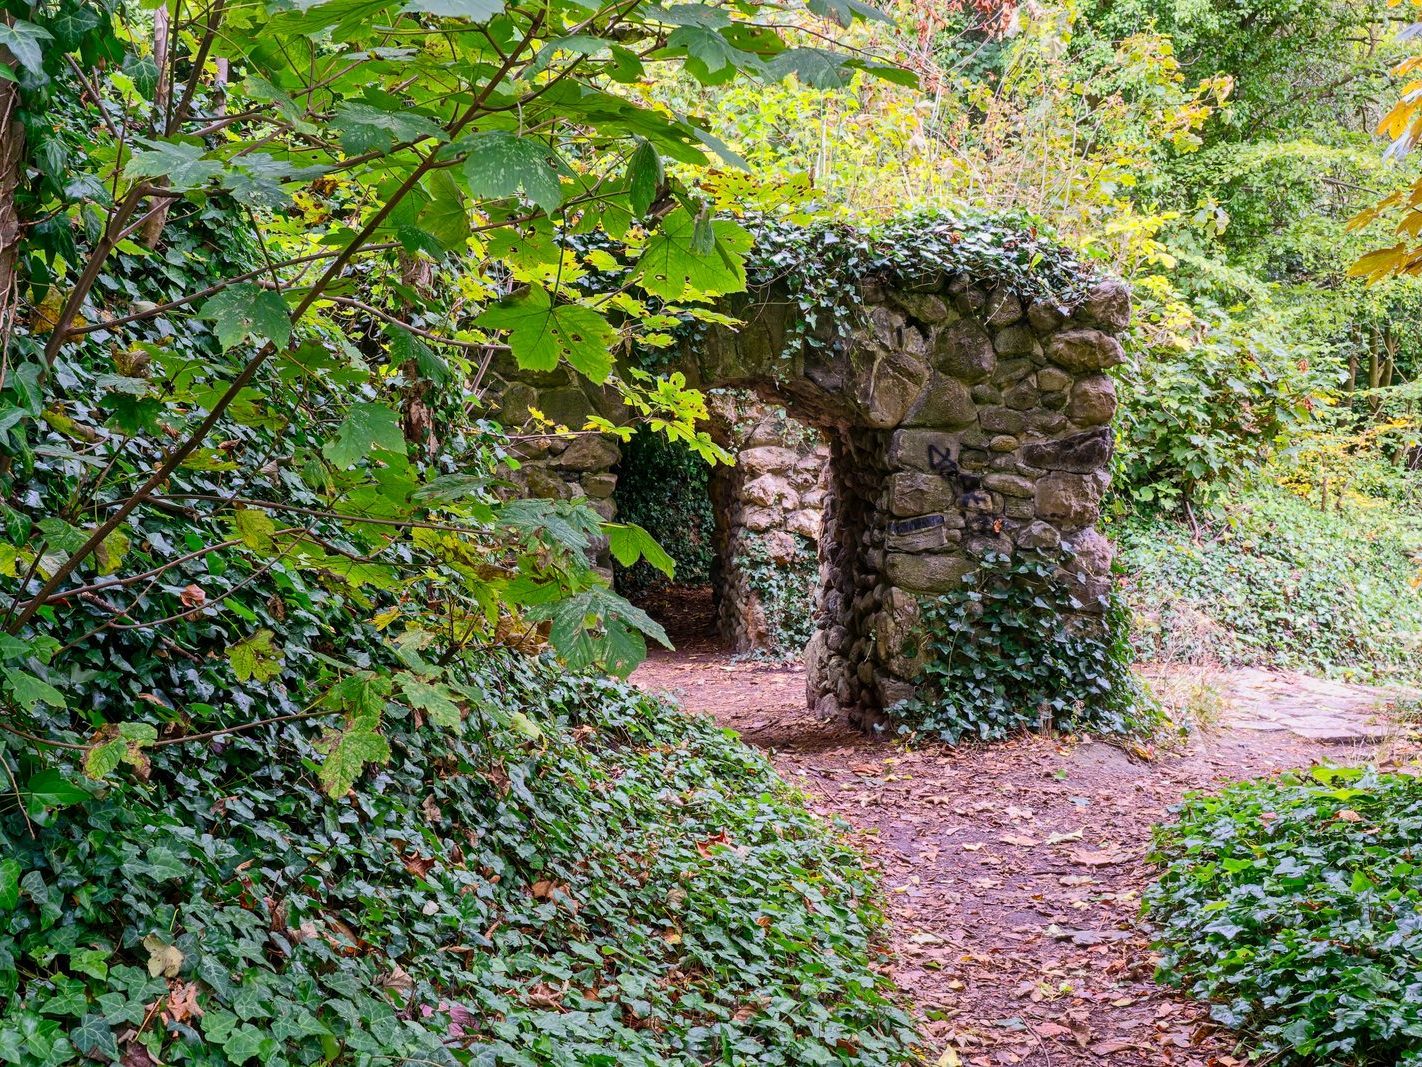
(746, 536)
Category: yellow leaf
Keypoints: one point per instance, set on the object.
(949, 1058)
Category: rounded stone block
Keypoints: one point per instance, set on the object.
(1071, 500)
(1108, 305)
(964, 351)
(927, 573)
(1085, 350)
(1093, 401)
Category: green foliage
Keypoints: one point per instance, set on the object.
(615, 884)
(1211, 407)
(665, 488)
(1013, 651)
(785, 592)
(1277, 582)
(1292, 906)
(823, 265)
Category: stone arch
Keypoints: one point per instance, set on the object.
(962, 419)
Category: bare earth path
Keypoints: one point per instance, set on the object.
(1014, 871)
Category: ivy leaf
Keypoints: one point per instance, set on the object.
(255, 656)
(432, 698)
(94, 1038)
(23, 40)
(183, 165)
(629, 542)
(367, 428)
(476, 11)
(246, 1041)
(9, 884)
(29, 690)
(541, 333)
(111, 551)
(353, 748)
(242, 311)
(499, 163)
(256, 529)
(644, 177)
(670, 267)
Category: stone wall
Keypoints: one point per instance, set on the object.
(961, 420)
(769, 510)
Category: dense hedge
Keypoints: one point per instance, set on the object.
(664, 487)
(1296, 908)
(624, 885)
(1277, 582)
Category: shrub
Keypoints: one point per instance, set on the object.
(663, 487)
(1012, 651)
(1279, 583)
(1295, 907)
(784, 591)
(618, 884)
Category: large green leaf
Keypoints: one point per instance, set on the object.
(256, 657)
(180, 163)
(628, 543)
(597, 628)
(242, 311)
(671, 266)
(499, 164)
(369, 128)
(644, 177)
(541, 333)
(28, 690)
(471, 10)
(367, 428)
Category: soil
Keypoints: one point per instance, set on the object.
(1013, 872)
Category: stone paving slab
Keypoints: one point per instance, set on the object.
(1318, 709)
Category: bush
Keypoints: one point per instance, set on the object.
(1295, 906)
(624, 885)
(1279, 583)
(1012, 651)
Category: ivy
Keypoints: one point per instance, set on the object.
(1292, 906)
(1013, 651)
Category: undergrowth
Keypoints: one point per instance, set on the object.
(1276, 582)
(604, 882)
(1295, 908)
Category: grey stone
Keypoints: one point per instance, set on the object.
(769, 490)
(893, 385)
(606, 509)
(1010, 485)
(1015, 341)
(984, 393)
(893, 691)
(1003, 309)
(1044, 317)
(964, 351)
(970, 300)
(1085, 350)
(921, 450)
(1053, 380)
(1039, 535)
(1001, 420)
(1011, 370)
(915, 493)
(1054, 402)
(942, 573)
(1003, 443)
(767, 458)
(599, 486)
(1093, 401)
(926, 540)
(1080, 453)
(1014, 508)
(945, 402)
(1108, 305)
(565, 407)
(929, 308)
(1070, 500)
(589, 453)
(1091, 552)
(1022, 396)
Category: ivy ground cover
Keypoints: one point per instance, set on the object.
(622, 886)
(1295, 907)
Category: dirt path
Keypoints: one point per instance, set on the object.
(1014, 871)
